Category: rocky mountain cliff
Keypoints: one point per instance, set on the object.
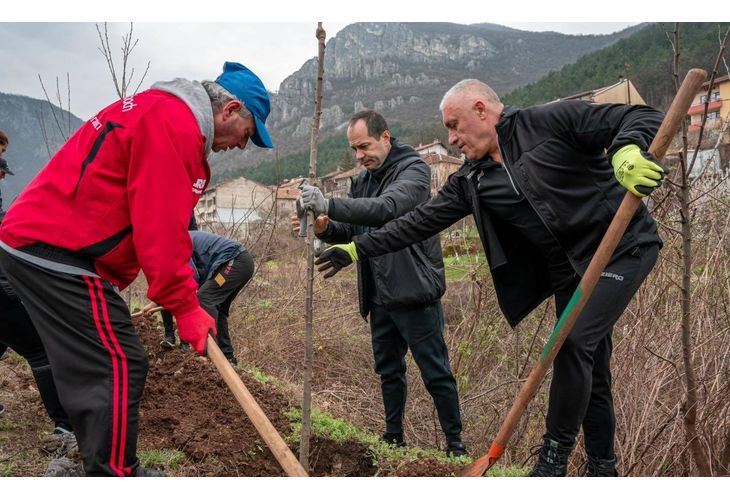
(403, 69)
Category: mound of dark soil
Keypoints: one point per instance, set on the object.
(426, 467)
(188, 407)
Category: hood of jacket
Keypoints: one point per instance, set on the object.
(398, 152)
(194, 95)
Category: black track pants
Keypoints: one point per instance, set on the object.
(98, 362)
(420, 330)
(217, 293)
(580, 392)
(18, 332)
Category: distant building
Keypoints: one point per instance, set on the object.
(338, 185)
(622, 92)
(433, 147)
(714, 154)
(718, 104)
(286, 196)
(441, 162)
(236, 203)
(442, 166)
(329, 183)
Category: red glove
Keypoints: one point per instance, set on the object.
(193, 328)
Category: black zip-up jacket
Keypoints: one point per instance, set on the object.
(556, 156)
(412, 276)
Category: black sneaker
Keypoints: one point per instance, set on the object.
(184, 346)
(456, 449)
(148, 472)
(62, 443)
(2, 409)
(552, 460)
(63, 467)
(601, 467)
(168, 340)
(394, 438)
(232, 360)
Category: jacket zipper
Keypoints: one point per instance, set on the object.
(539, 215)
(504, 164)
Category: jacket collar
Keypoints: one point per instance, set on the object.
(506, 124)
(194, 95)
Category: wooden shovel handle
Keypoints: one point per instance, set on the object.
(142, 312)
(268, 433)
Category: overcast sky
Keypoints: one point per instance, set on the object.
(274, 45)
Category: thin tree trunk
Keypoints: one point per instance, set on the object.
(691, 398)
(309, 347)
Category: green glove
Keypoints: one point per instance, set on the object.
(637, 171)
(336, 257)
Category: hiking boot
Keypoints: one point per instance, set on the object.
(63, 467)
(232, 360)
(552, 460)
(168, 340)
(62, 443)
(601, 467)
(148, 472)
(456, 449)
(393, 438)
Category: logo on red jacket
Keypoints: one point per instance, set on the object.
(128, 104)
(95, 122)
(198, 186)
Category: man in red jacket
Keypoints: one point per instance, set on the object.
(117, 198)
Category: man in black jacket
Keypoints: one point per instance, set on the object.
(543, 192)
(401, 291)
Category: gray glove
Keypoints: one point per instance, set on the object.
(312, 198)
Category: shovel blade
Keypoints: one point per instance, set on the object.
(482, 464)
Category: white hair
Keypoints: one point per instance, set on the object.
(471, 87)
(219, 97)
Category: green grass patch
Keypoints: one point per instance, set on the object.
(324, 424)
(264, 303)
(339, 431)
(456, 273)
(8, 425)
(508, 471)
(463, 267)
(16, 358)
(162, 458)
(262, 377)
(6, 469)
(384, 453)
(259, 375)
(258, 447)
(13, 357)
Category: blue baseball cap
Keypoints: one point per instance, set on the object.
(248, 88)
